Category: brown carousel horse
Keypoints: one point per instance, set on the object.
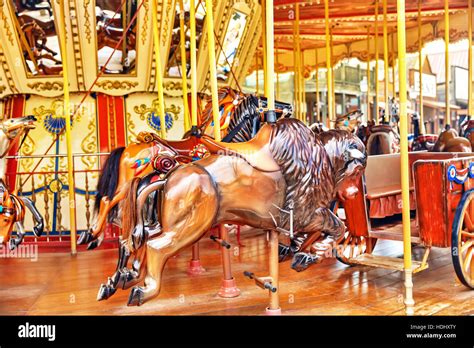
(244, 124)
(240, 121)
(12, 207)
(350, 121)
(286, 167)
(450, 141)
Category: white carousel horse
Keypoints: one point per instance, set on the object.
(12, 207)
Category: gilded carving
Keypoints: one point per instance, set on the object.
(2, 88)
(6, 26)
(89, 145)
(108, 84)
(145, 22)
(87, 22)
(46, 86)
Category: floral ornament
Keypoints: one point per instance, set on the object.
(151, 115)
(53, 118)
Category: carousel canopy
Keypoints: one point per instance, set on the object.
(351, 23)
(31, 61)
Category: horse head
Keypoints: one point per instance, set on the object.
(14, 127)
(350, 121)
(348, 158)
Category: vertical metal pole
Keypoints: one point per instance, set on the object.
(274, 307)
(298, 63)
(385, 59)
(213, 69)
(328, 66)
(158, 70)
(369, 111)
(420, 69)
(333, 78)
(193, 58)
(264, 46)
(393, 67)
(405, 169)
(67, 116)
(277, 77)
(376, 42)
(446, 60)
(470, 108)
(184, 70)
(257, 63)
(317, 84)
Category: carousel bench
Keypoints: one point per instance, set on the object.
(383, 186)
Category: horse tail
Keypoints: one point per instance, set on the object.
(108, 179)
(129, 210)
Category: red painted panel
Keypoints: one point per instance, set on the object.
(356, 213)
(120, 121)
(16, 109)
(102, 122)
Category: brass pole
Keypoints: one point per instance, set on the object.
(385, 59)
(270, 42)
(393, 65)
(213, 69)
(303, 91)
(376, 42)
(124, 26)
(470, 108)
(333, 79)
(404, 167)
(67, 116)
(193, 58)
(369, 111)
(298, 64)
(446, 60)
(328, 66)
(257, 87)
(277, 77)
(158, 71)
(264, 47)
(317, 85)
(420, 69)
(184, 70)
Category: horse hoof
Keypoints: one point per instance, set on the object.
(38, 229)
(127, 279)
(105, 291)
(283, 252)
(136, 297)
(302, 261)
(94, 244)
(84, 238)
(13, 244)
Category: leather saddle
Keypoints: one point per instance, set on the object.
(255, 151)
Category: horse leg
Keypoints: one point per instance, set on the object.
(108, 289)
(158, 251)
(327, 222)
(106, 206)
(130, 277)
(38, 228)
(189, 210)
(15, 242)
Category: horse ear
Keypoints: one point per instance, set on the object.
(355, 154)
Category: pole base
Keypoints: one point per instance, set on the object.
(228, 289)
(269, 311)
(195, 268)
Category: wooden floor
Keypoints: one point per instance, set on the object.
(60, 284)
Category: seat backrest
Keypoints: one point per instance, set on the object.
(382, 171)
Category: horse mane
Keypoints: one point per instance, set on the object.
(306, 169)
(246, 109)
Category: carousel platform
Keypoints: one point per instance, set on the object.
(58, 284)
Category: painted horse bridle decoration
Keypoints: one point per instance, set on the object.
(12, 206)
(285, 165)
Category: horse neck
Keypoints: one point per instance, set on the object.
(245, 108)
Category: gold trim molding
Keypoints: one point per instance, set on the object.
(109, 84)
(46, 86)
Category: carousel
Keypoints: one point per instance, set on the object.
(236, 157)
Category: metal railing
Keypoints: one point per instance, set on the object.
(48, 189)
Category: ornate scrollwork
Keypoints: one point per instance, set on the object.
(46, 86)
(87, 22)
(53, 116)
(131, 129)
(5, 22)
(109, 84)
(145, 22)
(2, 88)
(89, 145)
(150, 114)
